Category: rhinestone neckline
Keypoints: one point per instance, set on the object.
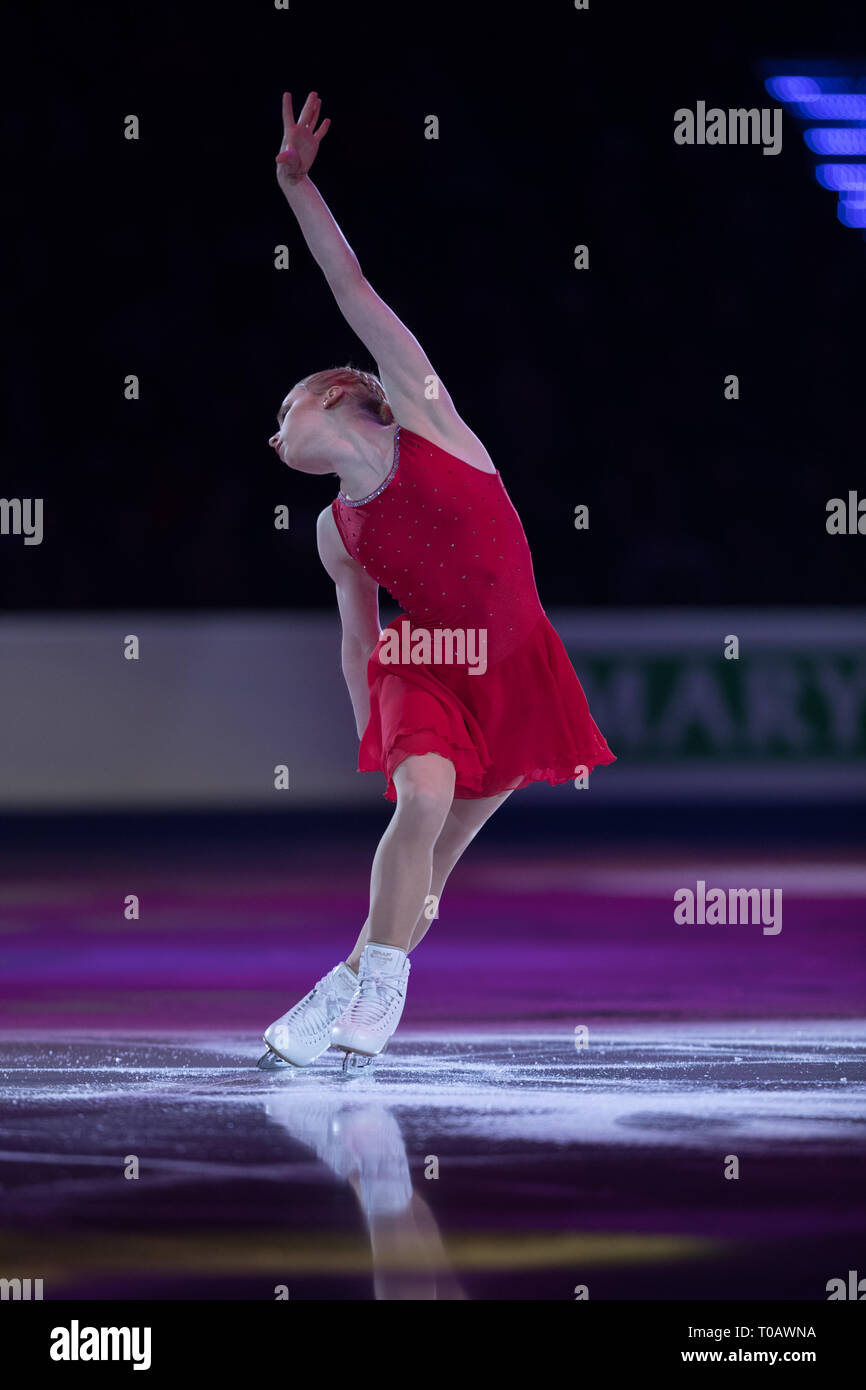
(359, 502)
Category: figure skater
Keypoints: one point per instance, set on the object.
(466, 697)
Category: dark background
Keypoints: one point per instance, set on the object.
(602, 387)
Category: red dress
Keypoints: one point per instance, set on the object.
(445, 541)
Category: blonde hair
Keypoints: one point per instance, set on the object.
(365, 389)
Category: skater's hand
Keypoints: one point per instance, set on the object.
(300, 139)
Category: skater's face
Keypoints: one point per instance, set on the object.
(306, 428)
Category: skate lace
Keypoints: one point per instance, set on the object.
(321, 1008)
(375, 998)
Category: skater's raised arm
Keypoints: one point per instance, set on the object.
(358, 602)
(416, 393)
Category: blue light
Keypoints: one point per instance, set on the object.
(832, 106)
(842, 176)
(830, 100)
(792, 88)
(836, 139)
(851, 214)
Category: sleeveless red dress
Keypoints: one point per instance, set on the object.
(507, 708)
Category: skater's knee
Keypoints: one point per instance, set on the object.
(425, 790)
(423, 808)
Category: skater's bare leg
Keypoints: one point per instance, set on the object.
(403, 864)
(462, 824)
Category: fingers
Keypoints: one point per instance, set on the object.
(314, 113)
(306, 111)
(288, 115)
(310, 112)
(307, 119)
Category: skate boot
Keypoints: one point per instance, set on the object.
(368, 1021)
(304, 1033)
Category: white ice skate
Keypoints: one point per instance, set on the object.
(371, 1017)
(304, 1033)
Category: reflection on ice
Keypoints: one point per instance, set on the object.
(362, 1145)
(555, 1166)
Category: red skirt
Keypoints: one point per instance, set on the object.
(526, 719)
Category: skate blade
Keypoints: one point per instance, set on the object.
(274, 1061)
(354, 1061)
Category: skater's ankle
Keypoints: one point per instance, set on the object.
(353, 965)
